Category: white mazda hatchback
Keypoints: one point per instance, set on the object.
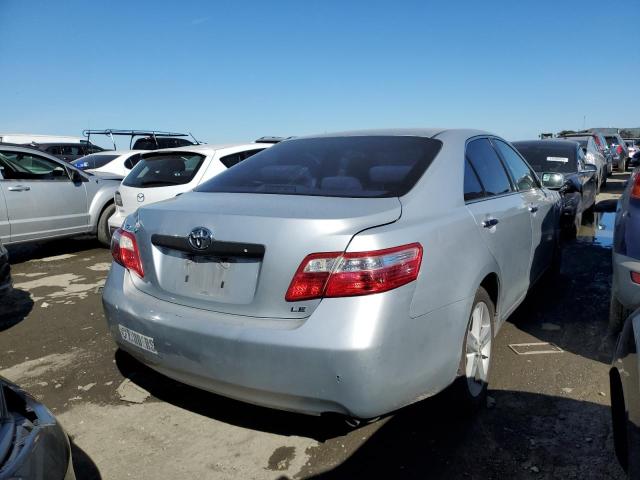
(164, 174)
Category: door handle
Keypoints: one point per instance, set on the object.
(491, 222)
(533, 208)
(19, 188)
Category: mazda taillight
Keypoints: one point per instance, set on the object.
(619, 149)
(124, 250)
(635, 277)
(355, 273)
(635, 189)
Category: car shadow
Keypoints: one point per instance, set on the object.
(84, 468)
(225, 409)
(522, 435)
(36, 250)
(572, 311)
(15, 305)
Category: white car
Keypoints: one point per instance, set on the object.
(164, 174)
(114, 162)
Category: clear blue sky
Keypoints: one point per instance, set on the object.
(236, 70)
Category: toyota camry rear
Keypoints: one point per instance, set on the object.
(320, 275)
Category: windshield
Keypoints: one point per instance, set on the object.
(549, 159)
(163, 170)
(356, 166)
(93, 161)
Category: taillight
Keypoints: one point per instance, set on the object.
(635, 277)
(619, 149)
(355, 273)
(124, 250)
(635, 189)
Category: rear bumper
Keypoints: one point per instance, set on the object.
(361, 356)
(116, 220)
(626, 291)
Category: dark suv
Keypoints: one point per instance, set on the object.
(155, 143)
(67, 151)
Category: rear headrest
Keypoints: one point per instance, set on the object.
(389, 173)
(173, 165)
(287, 175)
(341, 183)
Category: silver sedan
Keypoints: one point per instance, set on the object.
(353, 273)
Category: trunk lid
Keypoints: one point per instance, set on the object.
(134, 198)
(259, 242)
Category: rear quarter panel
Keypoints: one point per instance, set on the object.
(455, 259)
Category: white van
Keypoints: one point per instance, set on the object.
(163, 174)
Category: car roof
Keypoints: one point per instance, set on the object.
(207, 149)
(117, 153)
(554, 143)
(401, 132)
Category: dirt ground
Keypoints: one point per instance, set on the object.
(547, 415)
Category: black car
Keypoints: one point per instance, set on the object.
(67, 151)
(561, 166)
(156, 143)
(33, 445)
(5, 271)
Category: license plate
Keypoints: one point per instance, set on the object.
(137, 339)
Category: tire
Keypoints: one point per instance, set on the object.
(103, 232)
(470, 388)
(617, 315)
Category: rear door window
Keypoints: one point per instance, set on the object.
(235, 158)
(132, 161)
(488, 166)
(164, 170)
(472, 188)
(350, 166)
(521, 174)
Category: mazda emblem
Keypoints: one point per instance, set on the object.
(200, 238)
(140, 197)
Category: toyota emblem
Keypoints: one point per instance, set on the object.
(140, 197)
(200, 238)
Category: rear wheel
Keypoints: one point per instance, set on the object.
(470, 389)
(104, 234)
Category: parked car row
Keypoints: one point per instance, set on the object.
(351, 273)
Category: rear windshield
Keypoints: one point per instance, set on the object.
(163, 170)
(94, 161)
(357, 166)
(549, 159)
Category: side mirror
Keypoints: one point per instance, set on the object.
(553, 181)
(76, 177)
